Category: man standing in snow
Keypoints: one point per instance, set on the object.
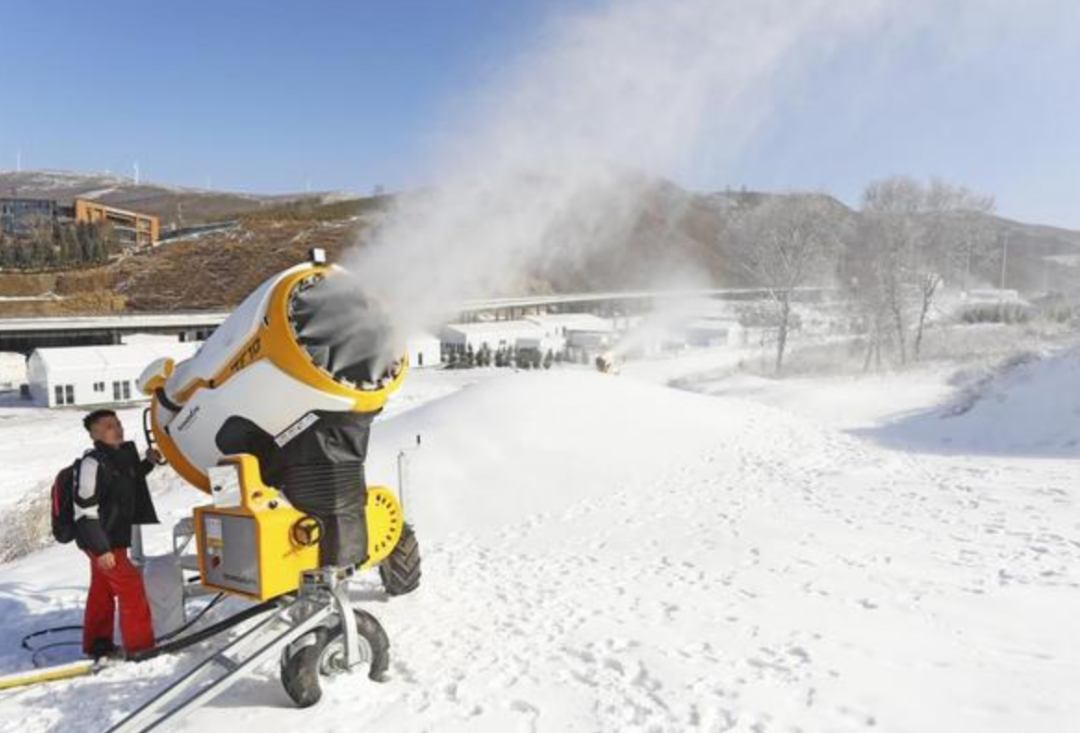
(110, 497)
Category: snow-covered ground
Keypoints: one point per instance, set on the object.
(612, 554)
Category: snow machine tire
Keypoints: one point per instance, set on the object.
(400, 572)
(300, 672)
(302, 668)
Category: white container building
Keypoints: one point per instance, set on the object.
(498, 334)
(424, 351)
(12, 370)
(95, 375)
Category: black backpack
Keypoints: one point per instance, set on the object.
(63, 504)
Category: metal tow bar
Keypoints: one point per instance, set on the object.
(322, 596)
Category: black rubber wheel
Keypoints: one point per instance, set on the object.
(322, 654)
(400, 572)
(300, 669)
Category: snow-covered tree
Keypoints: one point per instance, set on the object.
(782, 244)
(955, 229)
(889, 236)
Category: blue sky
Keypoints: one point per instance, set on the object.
(274, 97)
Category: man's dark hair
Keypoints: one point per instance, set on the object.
(93, 417)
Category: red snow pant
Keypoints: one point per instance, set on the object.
(124, 584)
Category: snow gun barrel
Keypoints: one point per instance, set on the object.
(307, 346)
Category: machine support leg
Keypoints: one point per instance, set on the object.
(328, 587)
(138, 555)
(343, 609)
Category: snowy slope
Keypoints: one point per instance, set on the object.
(1030, 409)
(607, 554)
(844, 402)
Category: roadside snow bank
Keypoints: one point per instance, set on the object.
(1031, 408)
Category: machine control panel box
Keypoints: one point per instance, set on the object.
(229, 552)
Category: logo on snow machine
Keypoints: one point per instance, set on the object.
(250, 354)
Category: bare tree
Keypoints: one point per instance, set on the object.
(912, 239)
(782, 244)
(890, 234)
(954, 229)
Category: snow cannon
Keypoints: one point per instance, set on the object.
(271, 418)
(607, 363)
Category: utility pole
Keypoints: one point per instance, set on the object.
(1004, 256)
(18, 160)
(970, 247)
(136, 167)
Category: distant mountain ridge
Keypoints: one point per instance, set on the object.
(175, 205)
(675, 232)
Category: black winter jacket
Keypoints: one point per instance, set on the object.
(111, 496)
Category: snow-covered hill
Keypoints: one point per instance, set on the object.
(606, 554)
(1030, 409)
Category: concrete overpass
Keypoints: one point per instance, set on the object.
(26, 334)
(612, 303)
